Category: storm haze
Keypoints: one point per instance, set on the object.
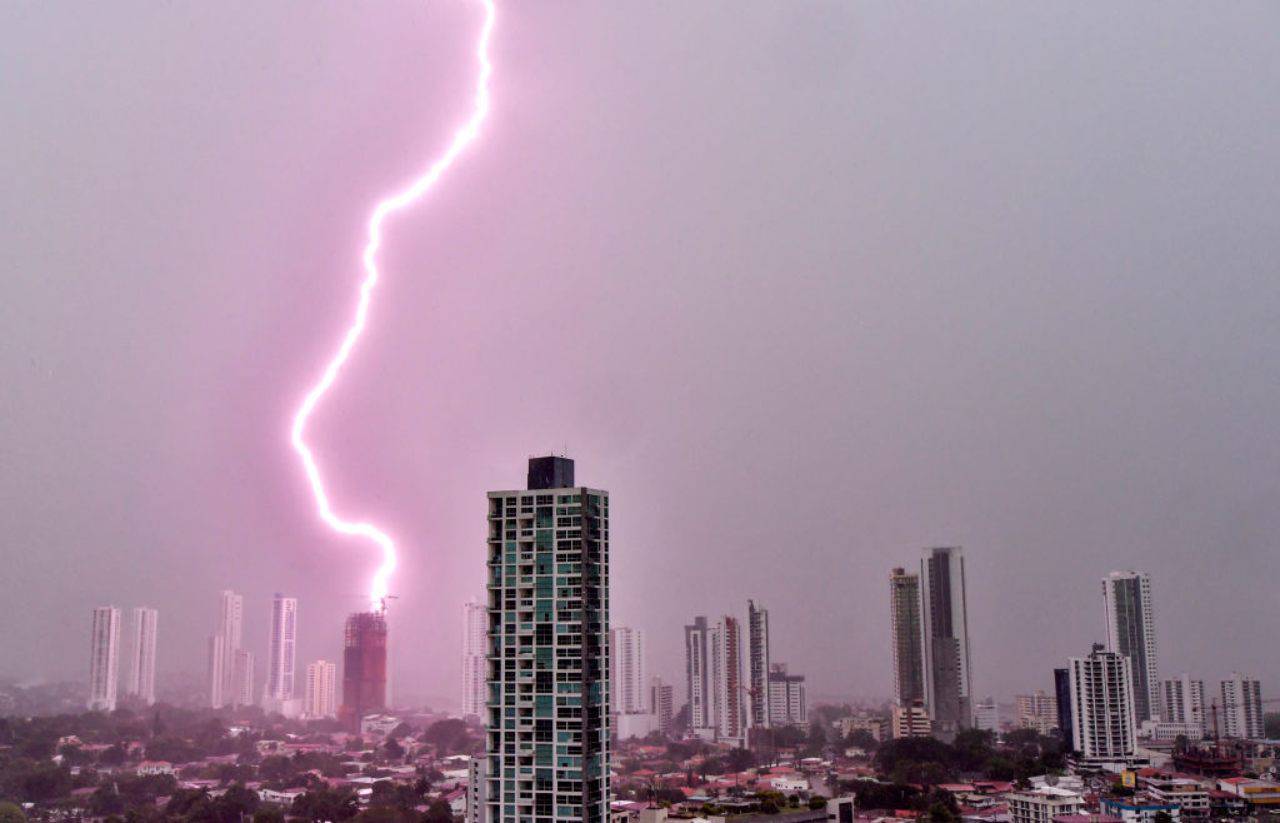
(807, 287)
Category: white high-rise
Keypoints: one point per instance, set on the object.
(1182, 702)
(475, 640)
(627, 678)
(697, 670)
(728, 714)
(226, 639)
(1102, 711)
(104, 657)
(1131, 631)
(1242, 707)
(282, 659)
(242, 679)
(758, 663)
(321, 696)
(140, 680)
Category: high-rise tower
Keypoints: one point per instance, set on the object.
(1131, 632)
(1242, 707)
(140, 680)
(1102, 706)
(697, 676)
(282, 660)
(758, 665)
(320, 699)
(364, 667)
(547, 742)
(104, 658)
(226, 639)
(945, 638)
(475, 633)
(908, 654)
(727, 712)
(626, 678)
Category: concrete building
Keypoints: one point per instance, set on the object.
(871, 724)
(945, 639)
(911, 721)
(477, 780)
(475, 644)
(1037, 711)
(1102, 709)
(1043, 804)
(1188, 795)
(627, 676)
(140, 679)
(1140, 808)
(697, 672)
(282, 654)
(320, 699)
(1242, 707)
(547, 742)
(1182, 702)
(104, 658)
(216, 659)
(227, 638)
(242, 679)
(729, 715)
(758, 663)
(1131, 632)
(787, 698)
(908, 634)
(986, 715)
(662, 699)
(364, 667)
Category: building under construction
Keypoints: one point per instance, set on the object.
(364, 668)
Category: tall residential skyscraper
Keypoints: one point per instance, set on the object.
(1242, 707)
(227, 638)
(282, 659)
(1182, 701)
(697, 672)
(786, 692)
(475, 641)
(104, 657)
(364, 667)
(728, 714)
(945, 637)
(904, 621)
(242, 679)
(662, 698)
(547, 741)
(1037, 711)
(1102, 707)
(1131, 631)
(140, 680)
(627, 677)
(321, 696)
(758, 665)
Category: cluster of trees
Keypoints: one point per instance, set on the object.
(938, 806)
(974, 754)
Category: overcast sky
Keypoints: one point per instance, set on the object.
(806, 286)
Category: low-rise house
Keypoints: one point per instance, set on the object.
(148, 767)
(1257, 793)
(1042, 805)
(1141, 808)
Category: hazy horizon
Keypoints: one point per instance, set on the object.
(807, 287)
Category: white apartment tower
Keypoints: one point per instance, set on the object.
(697, 670)
(475, 639)
(1182, 702)
(627, 677)
(1242, 707)
(104, 657)
(788, 705)
(282, 657)
(1102, 705)
(242, 679)
(321, 695)
(140, 679)
(944, 617)
(758, 665)
(1131, 631)
(728, 715)
(226, 640)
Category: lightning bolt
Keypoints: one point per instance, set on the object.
(403, 198)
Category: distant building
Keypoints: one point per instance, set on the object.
(1140, 809)
(627, 677)
(140, 681)
(227, 639)
(282, 657)
(758, 665)
(104, 658)
(242, 681)
(1131, 632)
(986, 715)
(1043, 804)
(697, 671)
(1062, 696)
(1242, 707)
(217, 679)
(944, 617)
(475, 643)
(728, 711)
(364, 667)
(1037, 711)
(872, 725)
(904, 622)
(1102, 711)
(1182, 702)
(477, 773)
(786, 693)
(321, 697)
(911, 721)
(662, 698)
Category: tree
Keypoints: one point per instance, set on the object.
(1271, 725)
(104, 801)
(448, 736)
(11, 813)
(268, 816)
(817, 802)
(323, 804)
(939, 813)
(438, 811)
(393, 749)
